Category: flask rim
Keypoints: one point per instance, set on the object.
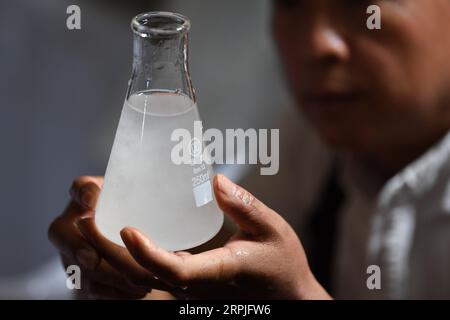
(147, 24)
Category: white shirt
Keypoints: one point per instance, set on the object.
(402, 226)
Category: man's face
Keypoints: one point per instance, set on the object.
(368, 90)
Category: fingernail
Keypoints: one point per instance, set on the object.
(225, 185)
(233, 191)
(127, 236)
(87, 198)
(87, 258)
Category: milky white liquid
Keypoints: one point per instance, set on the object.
(143, 188)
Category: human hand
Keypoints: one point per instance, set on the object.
(99, 279)
(263, 259)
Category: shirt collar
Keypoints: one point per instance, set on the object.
(413, 180)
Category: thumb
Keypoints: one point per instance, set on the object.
(85, 191)
(251, 215)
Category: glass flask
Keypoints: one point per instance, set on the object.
(144, 187)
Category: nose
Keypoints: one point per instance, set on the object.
(325, 43)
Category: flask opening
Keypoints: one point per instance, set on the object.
(159, 23)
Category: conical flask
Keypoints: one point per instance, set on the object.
(144, 187)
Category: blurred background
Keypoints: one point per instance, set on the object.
(62, 93)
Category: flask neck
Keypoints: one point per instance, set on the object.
(160, 55)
